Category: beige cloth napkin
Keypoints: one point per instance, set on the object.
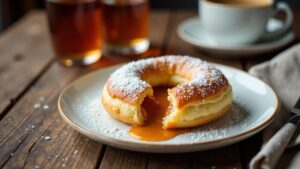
(283, 74)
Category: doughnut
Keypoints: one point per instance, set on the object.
(200, 93)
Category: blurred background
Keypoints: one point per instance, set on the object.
(12, 10)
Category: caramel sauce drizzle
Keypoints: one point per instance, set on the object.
(155, 110)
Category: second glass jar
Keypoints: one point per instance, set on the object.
(126, 26)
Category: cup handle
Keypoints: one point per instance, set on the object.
(284, 7)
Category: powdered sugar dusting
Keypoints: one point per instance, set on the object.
(91, 113)
(81, 103)
(97, 119)
(128, 81)
(233, 120)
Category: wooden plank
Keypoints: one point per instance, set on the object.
(227, 158)
(33, 137)
(170, 161)
(13, 10)
(296, 25)
(178, 46)
(23, 130)
(158, 26)
(121, 159)
(24, 54)
(117, 158)
(250, 147)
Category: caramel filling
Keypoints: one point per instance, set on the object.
(155, 110)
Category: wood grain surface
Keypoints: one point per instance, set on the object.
(25, 55)
(33, 135)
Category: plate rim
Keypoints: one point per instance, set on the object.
(121, 143)
(253, 48)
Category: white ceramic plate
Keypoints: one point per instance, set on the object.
(192, 32)
(255, 106)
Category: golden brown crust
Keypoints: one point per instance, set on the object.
(185, 67)
(116, 113)
(199, 121)
(196, 81)
(132, 98)
(199, 92)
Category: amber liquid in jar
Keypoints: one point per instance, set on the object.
(126, 24)
(76, 30)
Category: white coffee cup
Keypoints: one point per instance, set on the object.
(241, 21)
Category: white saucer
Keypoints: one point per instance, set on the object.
(192, 32)
(255, 106)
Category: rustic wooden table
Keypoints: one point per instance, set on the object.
(32, 137)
